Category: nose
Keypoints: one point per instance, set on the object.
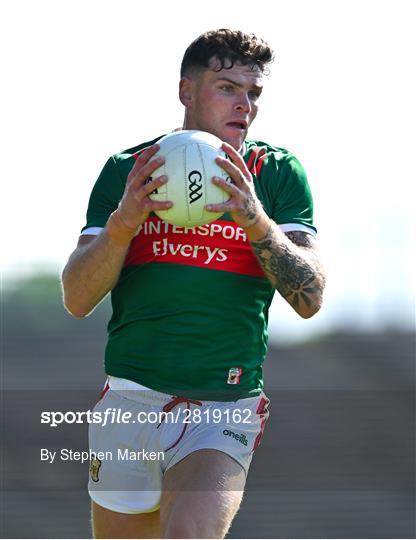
(243, 103)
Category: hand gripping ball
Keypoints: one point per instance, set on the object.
(189, 165)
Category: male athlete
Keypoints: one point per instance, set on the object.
(188, 334)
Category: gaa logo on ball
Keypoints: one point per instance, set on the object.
(195, 188)
(190, 165)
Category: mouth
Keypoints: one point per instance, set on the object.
(238, 124)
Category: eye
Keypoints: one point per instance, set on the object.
(254, 95)
(228, 88)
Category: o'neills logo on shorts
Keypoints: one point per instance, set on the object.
(240, 438)
(220, 245)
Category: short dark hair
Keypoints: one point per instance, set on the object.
(228, 47)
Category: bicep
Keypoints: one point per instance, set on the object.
(309, 245)
(85, 239)
(303, 239)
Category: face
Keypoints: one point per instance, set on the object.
(224, 102)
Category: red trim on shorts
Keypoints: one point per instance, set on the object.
(261, 410)
(104, 390)
(176, 400)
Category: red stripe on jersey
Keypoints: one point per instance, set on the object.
(259, 164)
(254, 158)
(251, 158)
(220, 245)
(262, 411)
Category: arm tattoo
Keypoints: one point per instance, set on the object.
(251, 211)
(294, 271)
(300, 238)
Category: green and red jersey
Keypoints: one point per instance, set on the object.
(190, 308)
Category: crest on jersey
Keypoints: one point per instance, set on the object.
(234, 375)
(95, 465)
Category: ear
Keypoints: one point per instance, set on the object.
(186, 86)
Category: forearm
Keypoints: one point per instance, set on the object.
(292, 267)
(93, 269)
(295, 272)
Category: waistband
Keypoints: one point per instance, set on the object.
(142, 394)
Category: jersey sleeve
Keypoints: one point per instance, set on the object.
(293, 204)
(105, 196)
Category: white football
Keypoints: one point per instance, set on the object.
(189, 165)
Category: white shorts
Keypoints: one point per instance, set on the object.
(137, 435)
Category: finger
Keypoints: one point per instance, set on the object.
(145, 171)
(141, 160)
(150, 206)
(228, 206)
(229, 167)
(149, 187)
(237, 159)
(142, 195)
(232, 189)
(147, 153)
